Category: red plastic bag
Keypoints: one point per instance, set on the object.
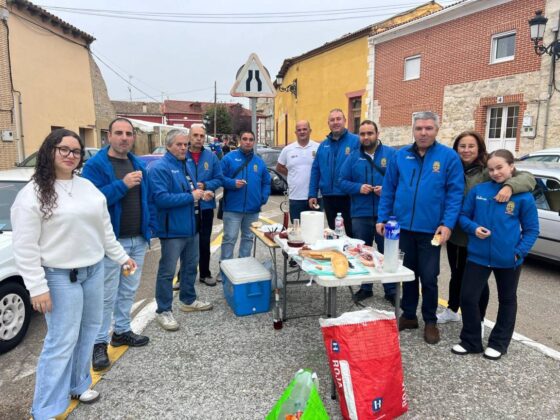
(366, 366)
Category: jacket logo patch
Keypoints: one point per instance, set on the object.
(347, 151)
(436, 166)
(479, 197)
(383, 162)
(205, 166)
(411, 157)
(510, 207)
(255, 167)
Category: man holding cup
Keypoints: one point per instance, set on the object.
(205, 167)
(121, 177)
(246, 189)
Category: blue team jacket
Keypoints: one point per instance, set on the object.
(208, 171)
(330, 157)
(358, 169)
(252, 196)
(173, 198)
(100, 172)
(423, 193)
(514, 226)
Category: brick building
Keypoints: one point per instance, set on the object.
(145, 111)
(48, 80)
(474, 64)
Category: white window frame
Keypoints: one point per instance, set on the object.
(494, 47)
(407, 59)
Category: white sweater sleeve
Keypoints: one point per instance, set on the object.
(113, 248)
(26, 226)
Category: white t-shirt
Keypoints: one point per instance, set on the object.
(298, 160)
(78, 234)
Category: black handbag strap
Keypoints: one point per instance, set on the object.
(247, 160)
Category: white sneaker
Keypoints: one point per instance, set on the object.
(219, 277)
(167, 321)
(87, 397)
(197, 305)
(447, 315)
(459, 349)
(492, 354)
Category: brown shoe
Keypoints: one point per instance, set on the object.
(407, 324)
(431, 334)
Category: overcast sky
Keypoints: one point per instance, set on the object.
(184, 59)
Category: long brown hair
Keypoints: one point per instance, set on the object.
(45, 175)
(482, 156)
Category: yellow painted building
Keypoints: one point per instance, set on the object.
(334, 75)
(51, 79)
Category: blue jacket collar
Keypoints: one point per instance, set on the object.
(330, 135)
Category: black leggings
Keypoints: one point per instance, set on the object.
(205, 233)
(457, 257)
(476, 279)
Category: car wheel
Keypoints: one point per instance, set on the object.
(15, 314)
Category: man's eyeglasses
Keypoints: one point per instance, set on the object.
(65, 152)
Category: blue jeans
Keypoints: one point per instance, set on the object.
(233, 223)
(119, 290)
(65, 361)
(173, 249)
(422, 258)
(364, 228)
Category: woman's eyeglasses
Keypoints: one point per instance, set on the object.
(65, 152)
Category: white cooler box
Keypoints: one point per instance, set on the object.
(246, 285)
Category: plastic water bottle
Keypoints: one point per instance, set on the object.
(297, 401)
(339, 226)
(391, 244)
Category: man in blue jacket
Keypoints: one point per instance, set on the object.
(361, 177)
(177, 198)
(423, 188)
(246, 189)
(121, 177)
(206, 168)
(325, 172)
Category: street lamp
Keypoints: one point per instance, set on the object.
(292, 87)
(537, 25)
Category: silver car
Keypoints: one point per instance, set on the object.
(547, 198)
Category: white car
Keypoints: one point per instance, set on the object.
(15, 305)
(547, 198)
(545, 155)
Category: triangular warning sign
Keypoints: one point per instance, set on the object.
(253, 80)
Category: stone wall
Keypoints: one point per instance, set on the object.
(104, 109)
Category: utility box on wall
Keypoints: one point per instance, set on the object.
(7, 135)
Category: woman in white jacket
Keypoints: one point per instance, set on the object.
(61, 232)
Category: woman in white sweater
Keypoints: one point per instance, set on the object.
(61, 232)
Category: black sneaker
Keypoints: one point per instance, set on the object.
(129, 339)
(362, 295)
(292, 264)
(100, 359)
(390, 299)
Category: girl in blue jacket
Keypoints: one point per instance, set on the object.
(500, 236)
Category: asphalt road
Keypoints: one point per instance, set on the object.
(537, 318)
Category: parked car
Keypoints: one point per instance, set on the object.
(31, 160)
(15, 304)
(278, 182)
(547, 198)
(545, 155)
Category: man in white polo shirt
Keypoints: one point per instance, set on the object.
(295, 161)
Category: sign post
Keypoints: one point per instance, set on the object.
(253, 81)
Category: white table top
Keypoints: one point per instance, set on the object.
(403, 274)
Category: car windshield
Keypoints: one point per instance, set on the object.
(8, 192)
(270, 157)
